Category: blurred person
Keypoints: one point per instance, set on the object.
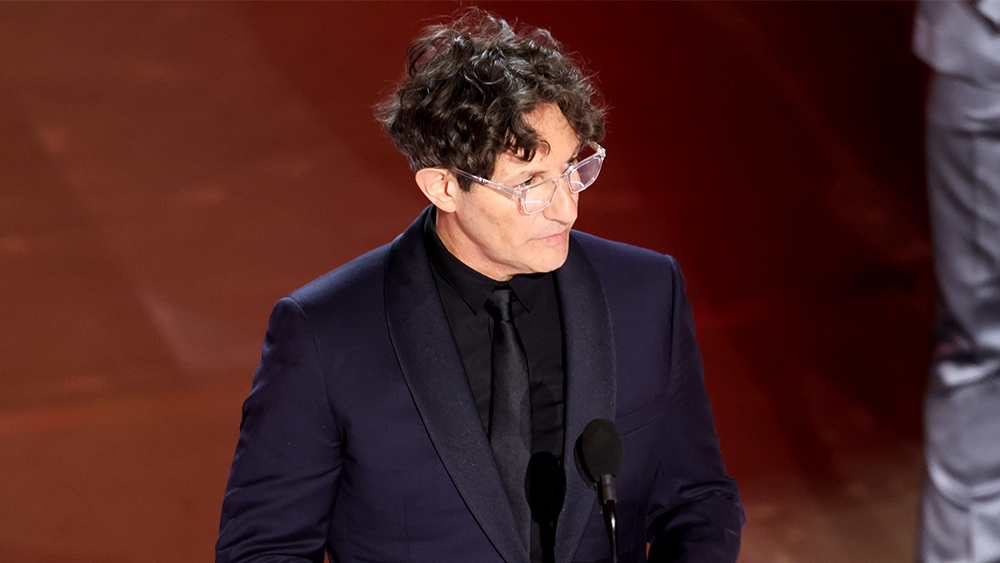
(400, 398)
(960, 41)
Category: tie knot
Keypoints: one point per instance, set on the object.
(498, 304)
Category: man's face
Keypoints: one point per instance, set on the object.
(488, 231)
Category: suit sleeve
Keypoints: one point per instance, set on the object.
(695, 512)
(284, 474)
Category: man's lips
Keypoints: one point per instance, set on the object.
(556, 238)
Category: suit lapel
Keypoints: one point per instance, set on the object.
(432, 367)
(590, 384)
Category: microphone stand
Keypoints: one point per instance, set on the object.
(607, 498)
(547, 537)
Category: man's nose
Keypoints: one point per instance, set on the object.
(563, 206)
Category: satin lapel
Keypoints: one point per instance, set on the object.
(590, 383)
(432, 367)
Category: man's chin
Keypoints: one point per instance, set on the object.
(552, 262)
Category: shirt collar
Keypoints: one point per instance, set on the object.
(472, 286)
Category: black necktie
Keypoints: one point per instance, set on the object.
(510, 407)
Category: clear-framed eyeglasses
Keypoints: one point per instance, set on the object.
(536, 195)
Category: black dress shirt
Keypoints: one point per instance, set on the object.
(463, 293)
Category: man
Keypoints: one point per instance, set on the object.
(960, 41)
(401, 397)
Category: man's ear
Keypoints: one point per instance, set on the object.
(440, 187)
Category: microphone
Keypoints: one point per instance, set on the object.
(598, 454)
(545, 487)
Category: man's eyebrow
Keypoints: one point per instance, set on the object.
(576, 153)
(528, 171)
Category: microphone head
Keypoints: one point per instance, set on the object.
(598, 451)
(545, 487)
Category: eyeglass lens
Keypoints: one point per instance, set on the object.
(579, 179)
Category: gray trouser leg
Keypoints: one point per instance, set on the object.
(961, 503)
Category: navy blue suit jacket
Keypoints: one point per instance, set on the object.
(361, 435)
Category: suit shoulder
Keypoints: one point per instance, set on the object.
(352, 281)
(634, 279)
(610, 256)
